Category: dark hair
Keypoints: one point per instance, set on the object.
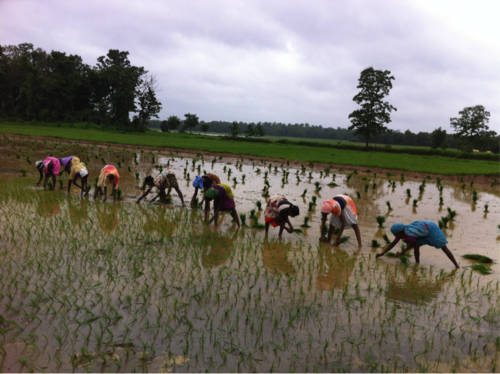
(111, 177)
(148, 179)
(292, 210)
(207, 181)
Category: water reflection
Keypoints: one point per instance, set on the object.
(335, 267)
(107, 214)
(78, 212)
(274, 256)
(415, 289)
(49, 205)
(159, 219)
(216, 246)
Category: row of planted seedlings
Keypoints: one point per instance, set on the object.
(342, 300)
(255, 224)
(160, 291)
(445, 222)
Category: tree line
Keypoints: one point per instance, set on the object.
(52, 87)
(439, 138)
(368, 123)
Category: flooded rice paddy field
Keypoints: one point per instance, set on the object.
(118, 286)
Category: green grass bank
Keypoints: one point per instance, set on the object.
(285, 150)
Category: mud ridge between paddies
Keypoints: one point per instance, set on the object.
(396, 173)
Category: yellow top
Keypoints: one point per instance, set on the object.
(76, 168)
(104, 181)
(229, 191)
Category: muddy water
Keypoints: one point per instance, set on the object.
(193, 298)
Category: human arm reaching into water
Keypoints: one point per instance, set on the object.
(146, 193)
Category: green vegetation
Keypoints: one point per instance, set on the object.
(428, 164)
(37, 85)
(124, 287)
(480, 258)
(368, 121)
(484, 270)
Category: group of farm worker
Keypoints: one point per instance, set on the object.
(341, 208)
(53, 167)
(221, 194)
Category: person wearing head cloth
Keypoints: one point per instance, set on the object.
(223, 201)
(417, 234)
(50, 167)
(204, 183)
(277, 213)
(164, 180)
(79, 170)
(67, 163)
(343, 214)
(109, 177)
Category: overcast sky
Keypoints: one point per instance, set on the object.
(285, 61)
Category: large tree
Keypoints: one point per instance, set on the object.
(369, 121)
(259, 130)
(438, 139)
(191, 121)
(471, 128)
(250, 133)
(234, 130)
(116, 85)
(205, 127)
(148, 105)
(173, 123)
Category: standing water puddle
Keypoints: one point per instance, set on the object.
(119, 286)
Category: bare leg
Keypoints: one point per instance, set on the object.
(180, 195)
(267, 227)
(163, 196)
(194, 197)
(330, 233)
(416, 251)
(358, 234)
(236, 217)
(450, 256)
(207, 209)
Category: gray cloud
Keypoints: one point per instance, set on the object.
(288, 61)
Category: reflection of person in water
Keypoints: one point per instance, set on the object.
(156, 220)
(274, 253)
(340, 267)
(107, 215)
(78, 212)
(48, 207)
(415, 289)
(217, 245)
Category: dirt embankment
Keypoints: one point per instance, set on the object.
(477, 179)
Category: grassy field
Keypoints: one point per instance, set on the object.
(404, 162)
(321, 141)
